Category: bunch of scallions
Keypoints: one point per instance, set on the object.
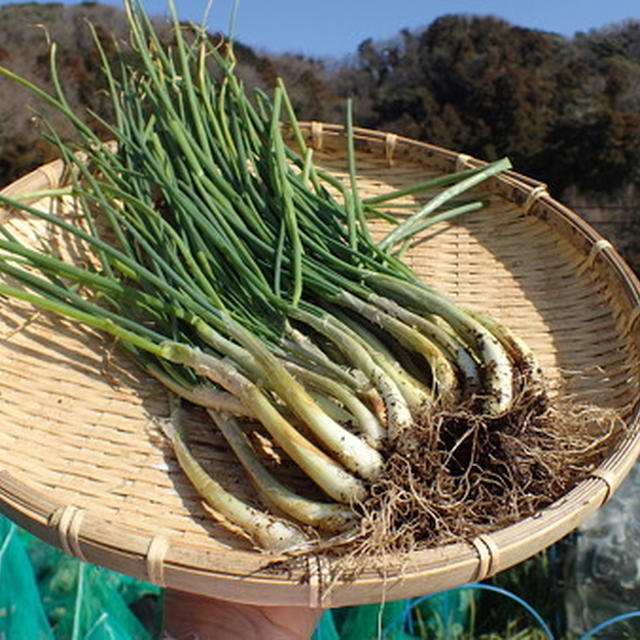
(246, 280)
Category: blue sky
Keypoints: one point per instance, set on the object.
(336, 27)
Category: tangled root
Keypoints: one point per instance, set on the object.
(462, 473)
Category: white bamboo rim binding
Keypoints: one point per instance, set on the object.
(85, 467)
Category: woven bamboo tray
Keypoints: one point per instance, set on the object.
(85, 467)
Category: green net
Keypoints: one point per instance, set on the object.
(21, 611)
(442, 616)
(47, 595)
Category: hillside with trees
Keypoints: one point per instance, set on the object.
(565, 110)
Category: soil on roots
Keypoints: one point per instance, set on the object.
(461, 473)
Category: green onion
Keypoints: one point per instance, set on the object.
(217, 256)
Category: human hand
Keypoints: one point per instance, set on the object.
(193, 617)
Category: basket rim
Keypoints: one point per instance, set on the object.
(172, 563)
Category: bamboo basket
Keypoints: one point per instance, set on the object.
(85, 467)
